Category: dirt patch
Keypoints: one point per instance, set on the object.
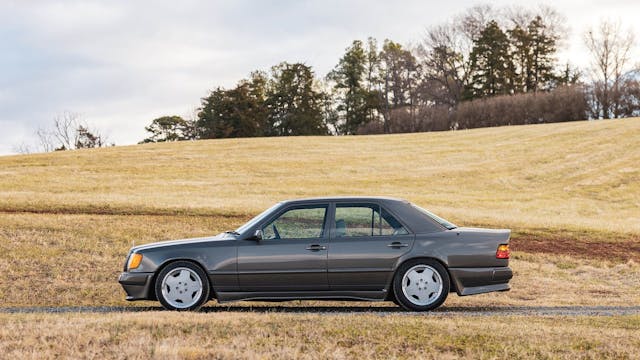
(591, 248)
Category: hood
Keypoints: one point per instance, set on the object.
(162, 244)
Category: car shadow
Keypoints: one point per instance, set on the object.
(300, 309)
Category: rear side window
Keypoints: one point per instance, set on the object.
(365, 220)
(389, 225)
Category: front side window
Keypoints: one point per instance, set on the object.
(298, 223)
(366, 220)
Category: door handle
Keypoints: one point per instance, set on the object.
(316, 247)
(397, 244)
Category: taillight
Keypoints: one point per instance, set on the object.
(503, 252)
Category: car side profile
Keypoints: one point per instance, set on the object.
(357, 248)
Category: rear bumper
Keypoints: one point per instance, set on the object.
(137, 285)
(471, 281)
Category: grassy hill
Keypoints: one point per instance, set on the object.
(570, 192)
(580, 176)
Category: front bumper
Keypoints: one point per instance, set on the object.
(138, 286)
(471, 281)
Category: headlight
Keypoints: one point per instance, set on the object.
(134, 261)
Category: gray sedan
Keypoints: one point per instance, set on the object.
(356, 248)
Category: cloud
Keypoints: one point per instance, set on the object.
(122, 63)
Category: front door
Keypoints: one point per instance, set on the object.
(292, 255)
(365, 246)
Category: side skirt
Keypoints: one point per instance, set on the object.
(302, 295)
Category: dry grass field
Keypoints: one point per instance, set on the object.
(570, 192)
(164, 335)
(581, 175)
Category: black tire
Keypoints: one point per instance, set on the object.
(392, 297)
(431, 300)
(195, 271)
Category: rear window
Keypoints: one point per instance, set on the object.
(435, 218)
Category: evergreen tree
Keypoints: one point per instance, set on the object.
(373, 98)
(169, 128)
(543, 49)
(492, 70)
(399, 77)
(295, 107)
(349, 77)
(522, 58)
(238, 112)
(533, 53)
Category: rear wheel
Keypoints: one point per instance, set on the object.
(421, 285)
(182, 286)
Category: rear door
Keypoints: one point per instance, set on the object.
(366, 242)
(292, 255)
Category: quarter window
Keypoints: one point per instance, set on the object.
(298, 223)
(366, 220)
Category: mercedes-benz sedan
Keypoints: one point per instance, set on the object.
(358, 248)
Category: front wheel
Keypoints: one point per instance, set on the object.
(182, 286)
(421, 285)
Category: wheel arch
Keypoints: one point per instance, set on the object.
(391, 295)
(167, 262)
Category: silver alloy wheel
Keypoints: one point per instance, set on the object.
(181, 287)
(422, 285)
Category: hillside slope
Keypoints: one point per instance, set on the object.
(579, 176)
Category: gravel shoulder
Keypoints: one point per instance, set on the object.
(343, 310)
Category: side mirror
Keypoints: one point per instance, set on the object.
(257, 235)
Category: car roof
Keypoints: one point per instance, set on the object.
(383, 199)
(417, 221)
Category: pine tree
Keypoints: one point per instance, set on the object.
(170, 128)
(533, 51)
(237, 112)
(522, 59)
(295, 106)
(491, 65)
(399, 78)
(543, 49)
(349, 78)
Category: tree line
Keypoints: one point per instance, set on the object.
(485, 67)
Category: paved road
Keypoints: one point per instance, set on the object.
(351, 310)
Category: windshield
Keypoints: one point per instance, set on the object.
(436, 218)
(256, 219)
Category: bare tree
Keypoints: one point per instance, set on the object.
(191, 117)
(65, 130)
(474, 20)
(445, 50)
(46, 140)
(443, 59)
(22, 148)
(555, 23)
(610, 47)
(444, 53)
(69, 132)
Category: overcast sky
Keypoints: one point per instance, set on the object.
(120, 64)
